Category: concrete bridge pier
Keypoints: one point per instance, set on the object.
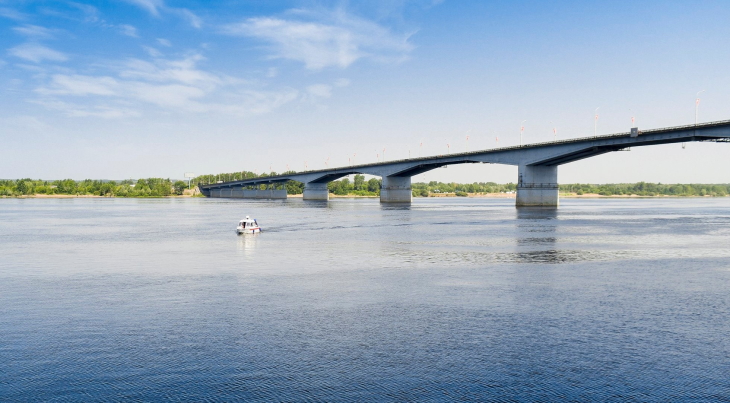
(316, 191)
(396, 189)
(537, 185)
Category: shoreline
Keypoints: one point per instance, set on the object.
(333, 196)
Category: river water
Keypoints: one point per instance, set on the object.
(446, 299)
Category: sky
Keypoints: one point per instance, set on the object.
(123, 89)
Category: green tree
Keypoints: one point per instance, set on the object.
(24, 186)
(374, 185)
(180, 187)
(359, 182)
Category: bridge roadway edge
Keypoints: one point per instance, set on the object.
(537, 166)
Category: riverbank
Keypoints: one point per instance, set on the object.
(62, 196)
(334, 196)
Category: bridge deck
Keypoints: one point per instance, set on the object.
(563, 151)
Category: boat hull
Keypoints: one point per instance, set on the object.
(244, 231)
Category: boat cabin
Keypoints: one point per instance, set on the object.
(248, 223)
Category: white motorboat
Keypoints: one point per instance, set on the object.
(248, 226)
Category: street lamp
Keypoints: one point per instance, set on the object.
(697, 104)
(697, 107)
(522, 129)
(595, 122)
(555, 131)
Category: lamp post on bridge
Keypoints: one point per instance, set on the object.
(697, 104)
(555, 131)
(697, 107)
(522, 129)
(595, 122)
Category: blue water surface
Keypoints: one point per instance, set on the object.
(446, 299)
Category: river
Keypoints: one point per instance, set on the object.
(445, 299)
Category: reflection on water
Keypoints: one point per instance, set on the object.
(247, 243)
(536, 213)
(353, 300)
(395, 206)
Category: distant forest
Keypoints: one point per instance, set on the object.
(359, 186)
(151, 187)
(158, 187)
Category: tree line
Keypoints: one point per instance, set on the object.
(150, 187)
(359, 186)
(159, 187)
(648, 189)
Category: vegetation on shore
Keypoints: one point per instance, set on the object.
(360, 187)
(150, 187)
(158, 187)
(648, 189)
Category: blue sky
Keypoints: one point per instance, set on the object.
(139, 88)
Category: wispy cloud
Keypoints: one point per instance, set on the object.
(174, 85)
(342, 82)
(152, 51)
(81, 111)
(164, 42)
(322, 40)
(128, 30)
(73, 11)
(37, 53)
(189, 16)
(36, 32)
(81, 85)
(157, 7)
(12, 14)
(151, 6)
(320, 90)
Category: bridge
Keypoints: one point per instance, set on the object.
(537, 181)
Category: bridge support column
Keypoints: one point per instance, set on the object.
(316, 191)
(396, 189)
(537, 186)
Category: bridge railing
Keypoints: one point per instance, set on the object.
(493, 150)
(537, 186)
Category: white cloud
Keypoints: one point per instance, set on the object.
(37, 53)
(175, 96)
(80, 111)
(320, 90)
(80, 85)
(11, 14)
(35, 31)
(151, 6)
(188, 15)
(164, 42)
(156, 7)
(152, 51)
(324, 40)
(182, 71)
(174, 85)
(128, 30)
(90, 13)
(342, 82)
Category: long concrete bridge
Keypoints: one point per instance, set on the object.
(537, 182)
